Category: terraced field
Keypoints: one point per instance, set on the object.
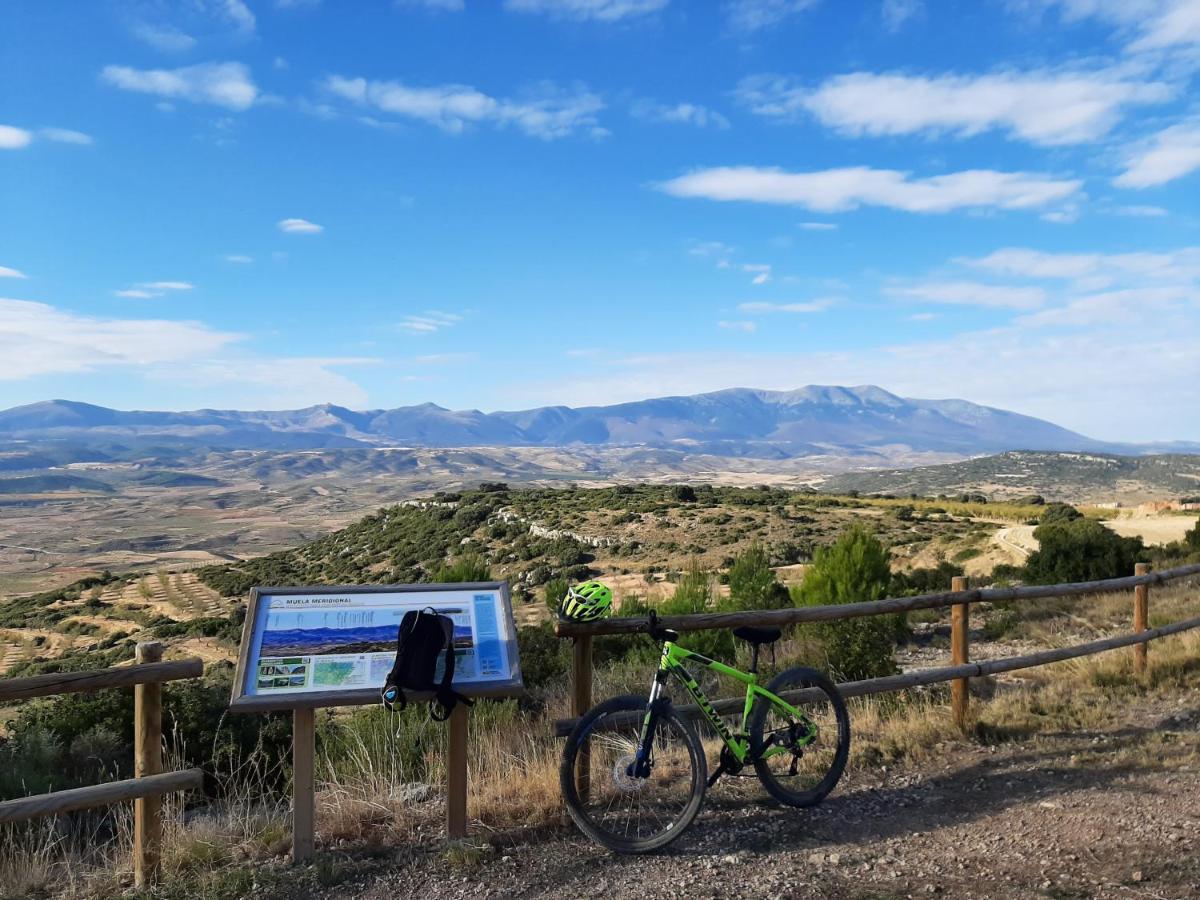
(119, 614)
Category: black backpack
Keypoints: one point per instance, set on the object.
(423, 636)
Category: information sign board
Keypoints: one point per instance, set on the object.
(334, 646)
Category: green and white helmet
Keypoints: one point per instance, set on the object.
(586, 602)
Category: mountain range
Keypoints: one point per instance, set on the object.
(736, 422)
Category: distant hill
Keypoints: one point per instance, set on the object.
(1056, 476)
(737, 422)
(43, 484)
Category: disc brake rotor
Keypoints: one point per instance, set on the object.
(622, 780)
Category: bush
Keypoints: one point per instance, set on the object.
(83, 738)
(469, 567)
(553, 593)
(1059, 512)
(752, 583)
(854, 569)
(1080, 550)
(924, 581)
(1191, 539)
(544, 657)
(694, 594)
(684, 493)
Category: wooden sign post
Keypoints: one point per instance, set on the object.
(310, 648)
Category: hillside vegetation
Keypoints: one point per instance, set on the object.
(533, 536)
(1073, 477)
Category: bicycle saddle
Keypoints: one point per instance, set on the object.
(757, 635)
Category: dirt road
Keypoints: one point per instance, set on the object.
(1109, 814)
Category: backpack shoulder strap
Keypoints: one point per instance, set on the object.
(446, 697)
(391, 694)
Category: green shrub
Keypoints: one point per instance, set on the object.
(1192, 537)
(553, 593)
(853, 569)
(544, 657)
(468, 567)
(694, 594)
(752, 583)
(1080, 550)
(1059, 512)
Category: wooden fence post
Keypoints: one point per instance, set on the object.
(147, 760)
(1141, 617)
(960, 653)
(581, 702)
(304, 784)
(456, 774)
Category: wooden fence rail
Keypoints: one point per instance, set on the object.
(149, 783)
(958, 672)
(795, 615)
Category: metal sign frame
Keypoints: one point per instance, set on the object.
(242, 701)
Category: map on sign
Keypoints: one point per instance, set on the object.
(309, 640)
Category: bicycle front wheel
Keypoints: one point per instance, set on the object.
(799, 759)
(610, 804)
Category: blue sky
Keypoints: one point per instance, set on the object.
(274, 203)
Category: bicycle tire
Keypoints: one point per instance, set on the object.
(581, 737)
(799, 678)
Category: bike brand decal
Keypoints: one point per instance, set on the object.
(693, 688)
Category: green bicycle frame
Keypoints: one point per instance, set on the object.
(671, 662)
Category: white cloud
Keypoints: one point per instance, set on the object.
(761, 272)
(239, 258)
(444, 359)
(65, 136)
(1092, 270)
(972, 293)
(923, 317)
(680, 113)
(1042, 107)
(546, 112)
(238, 13)
(1129, 306)
(6, 272)
(818, 226)
(167, 285)
(13, 138)
(1177, 23)
(167, 38)
(811, 306)
(742, 325)
(429, 322)
(754, 15)
(273, 383)
(434, 5)
(38, 339)
(1141, 212)
(1170, 154)
(300, 226)
(1155, 24)
(897, 12)
(838, 190)
(582, 10)
(149, 289)
(718, 249)
(225, 84)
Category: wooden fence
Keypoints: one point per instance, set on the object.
(149, 783)
(960, 670)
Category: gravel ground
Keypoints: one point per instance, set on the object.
(1114, 813)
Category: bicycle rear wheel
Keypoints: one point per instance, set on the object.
(800, 759)
(617, 809)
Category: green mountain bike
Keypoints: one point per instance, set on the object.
(634, 770)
